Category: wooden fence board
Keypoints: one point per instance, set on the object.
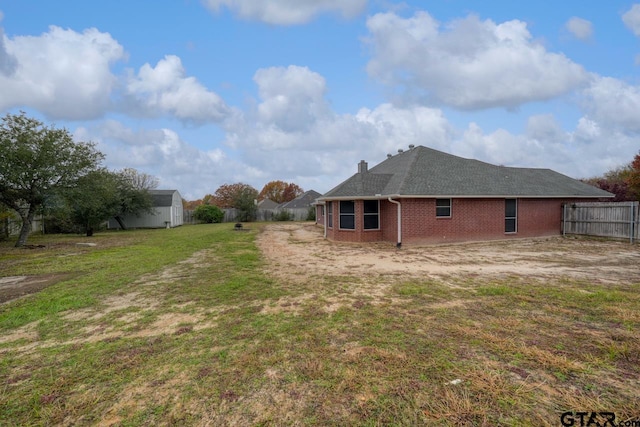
(606, 219)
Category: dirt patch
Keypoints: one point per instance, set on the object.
(297, 251)
(13, 287)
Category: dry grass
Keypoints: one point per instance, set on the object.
(300, 334)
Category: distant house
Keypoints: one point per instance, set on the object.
(299, 207)
(425, 196)
(167, 212)
(267, 204)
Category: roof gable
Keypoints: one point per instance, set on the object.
(302, 201)
(424, 172)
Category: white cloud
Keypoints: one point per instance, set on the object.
(62, 73)
(292, 97)
(329, 151)
(580, 28)
(468, 63)
(286, 12)
(296, 136)
(162, 153)
(8, 62)
(613, 103)
(166, 90)
(631, 19)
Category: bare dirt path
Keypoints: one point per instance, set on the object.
(298, 250)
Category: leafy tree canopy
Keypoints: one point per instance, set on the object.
(94, 199)
(245, 203)
(36, 162)
(623, 181)
(633, 178)
(280, 191)
(228, 195)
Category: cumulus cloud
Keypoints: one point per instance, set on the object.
(62, 73)
(614, 103)
(330, 149)
(467, 63)
(164, 154)
(631, 19)
(580, 28)
(292, 97)
(8, 62)
(165, 89)
(286, 12)
(295, 134)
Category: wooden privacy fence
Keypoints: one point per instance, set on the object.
(187, 216)
(606, 219)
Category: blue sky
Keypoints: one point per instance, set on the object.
(203, 93)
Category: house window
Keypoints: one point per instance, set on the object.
(330, 214)
(371, 217)
(347, 215)
(510, 216)
(443, 208)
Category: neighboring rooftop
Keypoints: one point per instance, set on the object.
(267, 204)
(422, 171)
(302, 201)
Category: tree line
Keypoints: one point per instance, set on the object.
(623, 181)
(44, 171)
(243, 198)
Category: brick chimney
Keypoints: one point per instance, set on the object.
(362, 166)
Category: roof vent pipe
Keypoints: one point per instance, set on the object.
(411, 146)
(400, 150)
(389, 156)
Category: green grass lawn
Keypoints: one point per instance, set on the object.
(178, 327)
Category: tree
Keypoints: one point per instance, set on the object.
(100, 195)
(140, 180)
(227, 195)
(95, 199)
(133, 191)
(208, 214)
(623, 181)
(37, 162)
(291, 192)
(245, 203)
(5, 214)
(280, 191)
(633, 178)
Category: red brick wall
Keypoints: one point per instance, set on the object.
(471, 219)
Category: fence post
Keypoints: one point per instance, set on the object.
(632, 218)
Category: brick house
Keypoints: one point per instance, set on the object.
(423, 195)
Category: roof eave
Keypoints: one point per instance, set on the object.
(464, 196)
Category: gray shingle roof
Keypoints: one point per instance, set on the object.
(162, 197)
(267, 204)
(302, 201)
(422, 171)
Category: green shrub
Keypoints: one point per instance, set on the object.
(208, 214)
(311, 213)
(283, 216)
